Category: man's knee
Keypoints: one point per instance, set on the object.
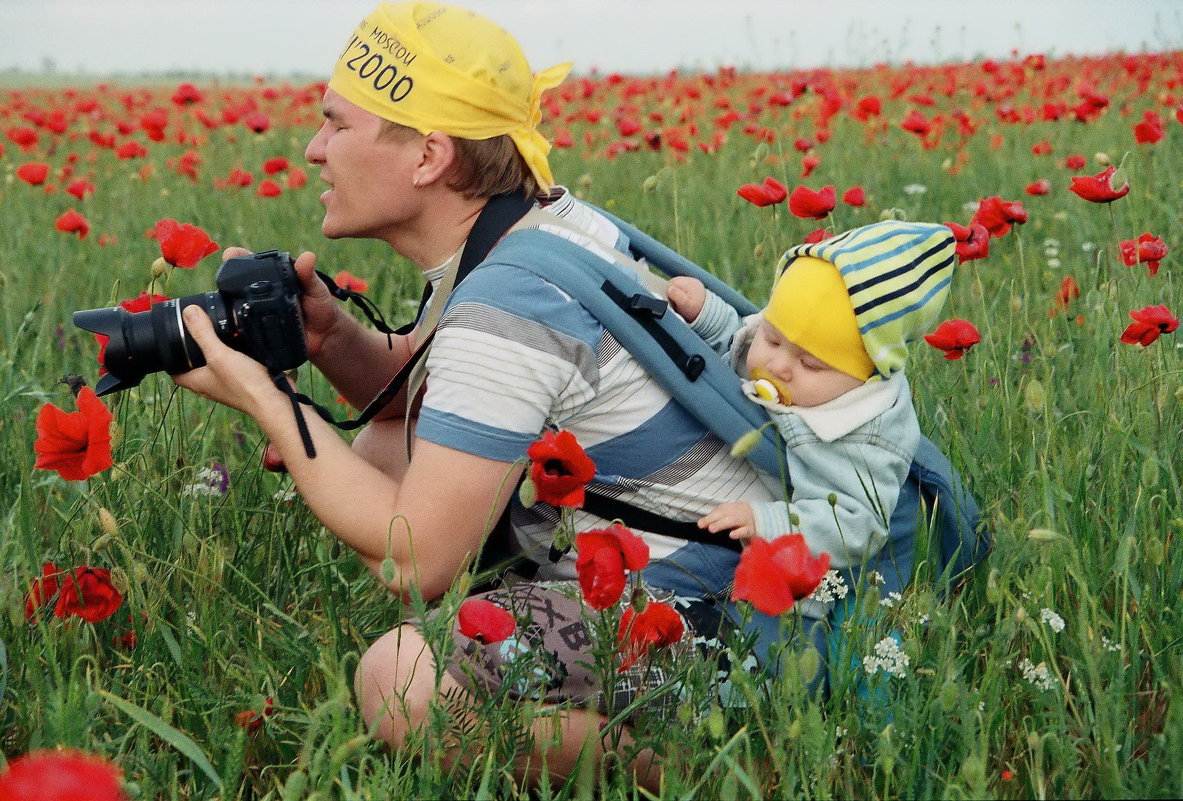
(395, 684)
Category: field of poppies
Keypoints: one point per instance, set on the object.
(172, 610)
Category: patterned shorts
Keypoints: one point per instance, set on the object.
(550, 657)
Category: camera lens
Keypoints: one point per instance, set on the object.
(150, 341)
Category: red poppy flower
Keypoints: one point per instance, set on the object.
(855, 196)
(23, 137)
(80, 188)
(773, 574)
(42, 590)
(485, 621)
(998, 215)
(954, 337)
(1150, 130)
(61, 775)
(816, 235)
(186, 95)
(1148, 325)
(76, 444)
(657, 626)
(917, 123)
(71, 222)
(297, 178)
(269, 188)
(87, 593)
(1147, 249)
(972, 241)
(603, 556)
(33, 173)
(1099, 188)
(560, 469)
(806, 203)
(1075, 162)
(251, 720)
(1041, 187)
(257, 121)
(768, 193)
(347, 280)
(1069, 291)
(131, 150)
(809, 164)
(1041, 148)
(181, 244)
(275, 165)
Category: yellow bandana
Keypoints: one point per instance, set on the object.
(441, 68)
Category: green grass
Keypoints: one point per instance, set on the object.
(1068, 439)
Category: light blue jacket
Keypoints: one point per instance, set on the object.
(845, 460)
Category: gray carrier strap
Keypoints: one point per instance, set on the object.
(664, 344)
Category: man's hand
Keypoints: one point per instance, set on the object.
(229, 377)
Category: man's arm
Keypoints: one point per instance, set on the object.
(430, 522)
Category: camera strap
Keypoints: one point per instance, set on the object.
(500, 213)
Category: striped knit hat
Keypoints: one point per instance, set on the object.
(896, 275)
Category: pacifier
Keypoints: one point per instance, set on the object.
(770, 389)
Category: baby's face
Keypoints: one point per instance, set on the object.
(802, 378)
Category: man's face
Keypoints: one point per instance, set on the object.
(801, 378)
(370, 191)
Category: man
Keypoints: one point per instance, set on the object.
(430, 112)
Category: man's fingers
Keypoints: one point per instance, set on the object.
(198, 325)
(234, 253)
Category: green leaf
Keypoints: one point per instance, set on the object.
(177, 739)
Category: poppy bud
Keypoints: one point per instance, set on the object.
(1103, 159)
(107, 522)
(746, 444)
(758, 251)
(1034, 397)
(528, 492)
(388, 570)
(159, 267)
(894, 214)
(649, 184)
(585, 180)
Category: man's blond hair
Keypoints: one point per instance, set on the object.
(482, 168)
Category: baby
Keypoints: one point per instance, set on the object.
(826, 359)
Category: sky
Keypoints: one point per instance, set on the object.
(281, 38)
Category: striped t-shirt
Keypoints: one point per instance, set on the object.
(513, 355)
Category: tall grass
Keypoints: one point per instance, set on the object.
(1068, 439)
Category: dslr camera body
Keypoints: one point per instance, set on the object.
(255, 310)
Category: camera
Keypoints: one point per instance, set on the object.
(255, 310)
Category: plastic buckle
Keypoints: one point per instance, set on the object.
(654, 307)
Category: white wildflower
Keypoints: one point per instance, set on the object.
(832, 587)
(888, 657)
(922, 620)
(1052, 620)
(1053, 262)
(1051, 243)
(1109, 645)
(915, 189)
(875, 577)
(1037, 675)
(284, 496)
(1088, 247)
(891, 600)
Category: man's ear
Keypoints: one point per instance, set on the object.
(435, 159)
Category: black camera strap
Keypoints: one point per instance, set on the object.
(495, 219)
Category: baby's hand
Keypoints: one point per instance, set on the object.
(687, 296)
(736, 516)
